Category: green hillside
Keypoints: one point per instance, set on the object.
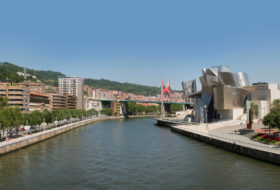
(126, 87)
(9, 71)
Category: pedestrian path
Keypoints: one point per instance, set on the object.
(226, 131)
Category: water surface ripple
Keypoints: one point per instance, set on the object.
(131, 154)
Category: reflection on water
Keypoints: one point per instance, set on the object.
(131, 154)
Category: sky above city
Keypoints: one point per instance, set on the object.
(142, 41)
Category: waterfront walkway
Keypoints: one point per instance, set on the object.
(226, 131)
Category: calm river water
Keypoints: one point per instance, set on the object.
(134, 155)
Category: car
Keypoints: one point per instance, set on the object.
(12, 132)
(27, 127)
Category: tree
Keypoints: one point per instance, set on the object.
(254, 109)
(134, 108)
(16, 117)
(176, 107)
(107, 111)
(67, 113)
(10, 117)
(48, 116)
(272, 119)
(58, 115)
(92, 112)
(3, 102)
(74, 113)
(131, 108)
(275, 105)
(35, 118)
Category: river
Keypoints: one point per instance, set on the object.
(134, 155)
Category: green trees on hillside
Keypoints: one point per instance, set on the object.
(9, 71)
(125, 87)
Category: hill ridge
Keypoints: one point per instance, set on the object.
(49, 77)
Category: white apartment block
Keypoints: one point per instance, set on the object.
(73, 86)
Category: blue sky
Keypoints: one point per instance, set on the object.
(142, 41)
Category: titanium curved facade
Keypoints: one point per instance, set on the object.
(222, 91)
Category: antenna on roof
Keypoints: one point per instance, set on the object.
(24, 71)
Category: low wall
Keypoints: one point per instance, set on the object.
(141, 116)
(15, 144)
(243, 150)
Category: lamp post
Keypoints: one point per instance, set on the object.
(205, 113)
(206, 117)
(44, 125)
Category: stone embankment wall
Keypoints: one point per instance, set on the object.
(264, 155)
(15, 144)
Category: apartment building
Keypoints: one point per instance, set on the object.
(57, 101)
(16, 93)
(36, 87)
(73, 86)
(70, 101)
(88, 90)
(38, 101)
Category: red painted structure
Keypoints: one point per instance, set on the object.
(165, 89)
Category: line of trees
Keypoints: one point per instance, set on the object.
(107, 111)
(176, 107)
(134, 109)
(12, 117)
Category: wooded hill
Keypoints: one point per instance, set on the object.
(9, 71)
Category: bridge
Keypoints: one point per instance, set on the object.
(138, 101)
(121, 105)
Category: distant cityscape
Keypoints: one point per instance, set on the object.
(71, 93)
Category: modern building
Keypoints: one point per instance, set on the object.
(38, 101)
(16, 93)
(73, 86)
(222, 97)
(262, 95)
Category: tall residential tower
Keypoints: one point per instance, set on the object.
(73, 86)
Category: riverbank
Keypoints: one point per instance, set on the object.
(24, 141)
(223, 135)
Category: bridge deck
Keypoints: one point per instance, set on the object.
(141, 101)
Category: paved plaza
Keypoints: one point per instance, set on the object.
(228, 131)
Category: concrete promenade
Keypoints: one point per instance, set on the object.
(21, 142)
(223, 135)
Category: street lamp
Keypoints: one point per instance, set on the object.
(44, 125)
(206, 117)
